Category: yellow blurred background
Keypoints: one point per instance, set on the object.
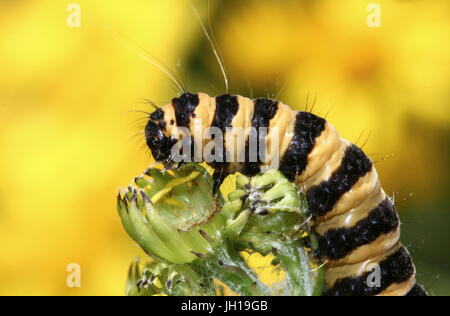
(66, 94)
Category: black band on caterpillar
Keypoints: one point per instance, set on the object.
(307, 128)
(264, 111)
(337, 243)
(184, 107)
(227, 107)
(324, 196)
(396, 268)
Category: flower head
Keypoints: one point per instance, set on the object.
(172, 215)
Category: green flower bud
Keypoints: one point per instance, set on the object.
(158, 278)
(175, 218)
(270, 215)
(272, 207)
(172, 215)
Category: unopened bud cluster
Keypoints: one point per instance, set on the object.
(195, 236)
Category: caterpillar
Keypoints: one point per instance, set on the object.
(355, 220)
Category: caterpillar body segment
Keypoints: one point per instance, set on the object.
(356, 223)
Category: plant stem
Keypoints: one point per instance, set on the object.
(226, 264)
(296, 262)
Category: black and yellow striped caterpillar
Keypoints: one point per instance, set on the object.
(355, 221)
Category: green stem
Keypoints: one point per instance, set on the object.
(320, 281)
(320, 275)
(296, 262)
(226, 264)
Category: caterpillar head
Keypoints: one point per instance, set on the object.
(174, 122)
(156, 137)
